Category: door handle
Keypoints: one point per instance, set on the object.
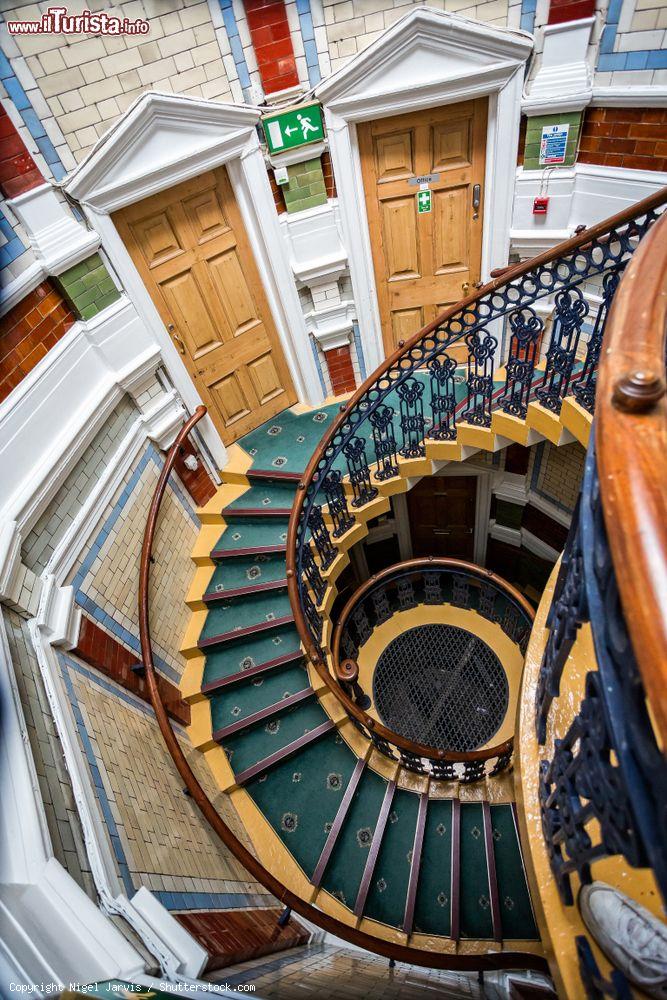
(442, 531)
(465, 287)
(476, 199)
(175, 337)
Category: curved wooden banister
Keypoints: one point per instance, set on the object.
(424, 565)
(631, 446)
(398, 952)
(583, 241)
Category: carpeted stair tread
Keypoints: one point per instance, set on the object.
(286, 442)
(255, 609)
(433, 903)
(300, 796)
(343, 874)
(475, 903)
(516, 912)
(260, 741)
(389, 885)
(254, 534)
(257, 693)
(246, 571)
(250, 651)
(264, 497)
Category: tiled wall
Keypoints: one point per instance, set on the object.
(158, 835)
(351, 26)
(89, 287)
(18, 170)
(106, 577)
(632, 47)
(570, 10)
(29, 331)
(51, 526)
(634, 138)
(555, 473)
(87, 81)
(54, 784)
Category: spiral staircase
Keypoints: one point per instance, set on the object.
(412, 849)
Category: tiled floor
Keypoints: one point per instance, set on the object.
(326, 971)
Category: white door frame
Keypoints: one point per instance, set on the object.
(161, 140)
(428, 58)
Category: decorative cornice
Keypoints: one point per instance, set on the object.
(298, 155)
(563, 80)
(161, 140)
(415, 47)
(16, 290)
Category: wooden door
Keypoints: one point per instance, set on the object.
(424, 262)
(442, 516)
(190, 247)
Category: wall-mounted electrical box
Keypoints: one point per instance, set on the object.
(540, 206)
(280, 174)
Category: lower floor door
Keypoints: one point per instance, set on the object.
(442, 516)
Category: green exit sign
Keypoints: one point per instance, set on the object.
(294, 127)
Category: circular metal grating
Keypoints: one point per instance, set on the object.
(441, 685)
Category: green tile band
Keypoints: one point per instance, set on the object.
(306, 188)
(88, 287)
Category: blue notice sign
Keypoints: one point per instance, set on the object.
(553, 144)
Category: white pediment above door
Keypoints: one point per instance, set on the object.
(161, 140)
(425, 58)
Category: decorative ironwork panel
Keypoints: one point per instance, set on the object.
(406, 594)
(481, 350)
(360, 477)
(526, 327)
(460, 591)
(584, 384)
(433, 588)
(320, 534)
(503, 761)
(361, 624)
(384, 443)
(313, 617)
(412, 762)
(567, 613)
(313, 576)
(413, 425)
(443, 398)
(569, 314)
(445, 770)
(487, 602)
(381, 606)
(334, 491)
(473, 770)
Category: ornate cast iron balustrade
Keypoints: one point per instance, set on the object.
(603, 787)
(416, 396)
(405, 586)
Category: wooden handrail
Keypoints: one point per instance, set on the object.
(425, 564)
(631, 447)
(579, 241)
(398, 952)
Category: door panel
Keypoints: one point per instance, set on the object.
(423, 261)
(442, 516)
(191, 249)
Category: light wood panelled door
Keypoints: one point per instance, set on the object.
(424, 262)
(191, 249)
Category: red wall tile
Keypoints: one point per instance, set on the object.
(271, 40)
(99, 649)
(341, 372)
(18, 170)
(570, 10)
(633, 138)
(29, 331)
